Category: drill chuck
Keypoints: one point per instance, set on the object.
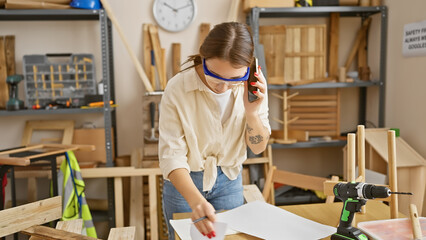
(360, 190)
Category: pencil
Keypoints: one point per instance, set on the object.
(202, 218)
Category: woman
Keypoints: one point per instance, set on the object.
(206, 125)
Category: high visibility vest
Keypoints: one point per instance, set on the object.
(71, 187)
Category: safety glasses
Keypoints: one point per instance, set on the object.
(230, 81)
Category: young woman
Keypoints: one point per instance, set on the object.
(206, 124)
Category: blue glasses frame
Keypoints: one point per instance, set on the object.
(207, 72)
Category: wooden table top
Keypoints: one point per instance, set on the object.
(324, 213)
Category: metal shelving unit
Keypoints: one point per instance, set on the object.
(107, 76)
(256, 14)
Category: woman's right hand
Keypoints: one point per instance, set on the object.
(205, 226)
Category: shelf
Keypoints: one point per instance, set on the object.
(345, 11)
(48, 14)
(332, 143)
(356, 83)
(54, 111)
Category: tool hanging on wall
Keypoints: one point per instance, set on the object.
(303, 3)
(152, 118)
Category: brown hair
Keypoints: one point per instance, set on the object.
(231, 41)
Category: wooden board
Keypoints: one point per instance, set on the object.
(176, 49)
(4, 89)
(19, 218)
(294, 54)
(124, 233)
(204, 31)
(156, 45)
(10, 55)
(53, 234)
(333, 53)
(318, 114)
(92, 136)
(252, 193)
(147, 52)
(136, 197)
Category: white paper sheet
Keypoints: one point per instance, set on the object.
(183, 226)
(219, 228)
(273, 223)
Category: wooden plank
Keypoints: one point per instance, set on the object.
(333, 50)
(204, 31)
(10, 55)
(147, 52)
(32, 189)
(392, 173)
(360, 35)
(313, 115)
(313, 103)
(14, 161)
(156, 45)
(4, 89)
(297, 60)
(314, 97)
(74, 226)
(118, 197)
(233, 11)
(351, 158)
(19, 218)
(415, 223)
(152, 181)
(252, 193)
(109, 172)
(314, 121)
(124, 233)
(53, 234)
(163, 70)
(312, 109)
(311, 60)
(256, 160)
(176, 55)
(136, 196)
(272, 29)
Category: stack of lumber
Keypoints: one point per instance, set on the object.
(37, 4)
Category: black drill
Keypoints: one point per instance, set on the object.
(354, 195)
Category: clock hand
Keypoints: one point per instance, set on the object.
(174, 10)
(183, 7)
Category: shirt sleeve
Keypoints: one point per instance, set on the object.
(172, 146)
(264, 113)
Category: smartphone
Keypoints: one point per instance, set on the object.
(254, 68)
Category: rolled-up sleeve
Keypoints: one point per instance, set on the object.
(172, 146)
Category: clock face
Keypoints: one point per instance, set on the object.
(174, 15)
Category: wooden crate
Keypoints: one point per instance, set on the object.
(318, 114)
(294, 54)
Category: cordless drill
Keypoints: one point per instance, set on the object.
(354, 195)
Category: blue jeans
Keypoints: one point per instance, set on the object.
(226, 194)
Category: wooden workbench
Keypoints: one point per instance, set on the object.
(324, 213)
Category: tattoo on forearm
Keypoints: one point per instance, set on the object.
(249, 129)
(255, 139)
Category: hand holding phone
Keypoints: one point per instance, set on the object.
(254, 68)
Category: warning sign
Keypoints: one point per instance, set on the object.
(414, 40)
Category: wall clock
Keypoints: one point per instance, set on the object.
(174, 15)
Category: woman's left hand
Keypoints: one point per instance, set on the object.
(261, 85)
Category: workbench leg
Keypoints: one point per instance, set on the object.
(118, 192)
(53, 166)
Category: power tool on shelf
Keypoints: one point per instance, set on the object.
(354, 195)
(14, 103)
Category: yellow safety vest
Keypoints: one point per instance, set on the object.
(71, 188)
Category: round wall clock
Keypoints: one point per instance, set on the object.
(174, 15)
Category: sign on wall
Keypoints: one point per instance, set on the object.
(414, 39)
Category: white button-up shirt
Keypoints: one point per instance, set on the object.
(192, 135)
